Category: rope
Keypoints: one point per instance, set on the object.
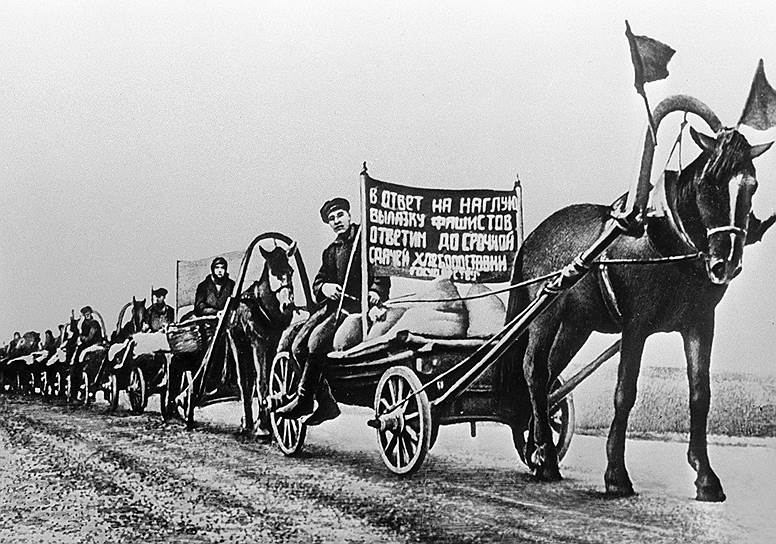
(398, 301)
(401, 300)
(655, 260)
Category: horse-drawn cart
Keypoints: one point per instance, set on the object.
(138, 361)
(226, 357)
(417, 382)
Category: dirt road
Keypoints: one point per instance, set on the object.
(83, 475)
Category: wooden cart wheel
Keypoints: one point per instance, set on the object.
(164, 408)
(289, 434)
(83, 389)
(434, 434)
(183, 402)
(404, 434)
(57, 387)
(44, 384)
(136, 391)
(562, 425)
(111, 392)
(164, 390)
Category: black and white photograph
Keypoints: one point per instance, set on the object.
(387, 272)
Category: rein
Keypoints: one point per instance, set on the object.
(398, 301)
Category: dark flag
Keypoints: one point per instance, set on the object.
(760, 110)
(650, 63)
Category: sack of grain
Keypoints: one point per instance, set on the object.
(348, 333)
(486, 314)
(444, 319)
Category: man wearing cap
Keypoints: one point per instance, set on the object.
(91, 332)
(333, 282)
(214, 291)
(160, 314)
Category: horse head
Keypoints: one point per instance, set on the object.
(139, 313)
(30, 342)
(70, 332)
(723, 186)
(276, 287)
(712, 198)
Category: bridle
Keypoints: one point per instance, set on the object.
(286, 283)
(732, 229)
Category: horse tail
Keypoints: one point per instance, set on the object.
(510, 380)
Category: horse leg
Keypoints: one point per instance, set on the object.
(245, 378)
(568, 341)
(697, 349)
(616, 478)
(540, 453)
(261, 371)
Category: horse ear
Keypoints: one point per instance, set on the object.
(264, 252)
(133, 299)
(706, 143)
(758, 150)
(291, 250)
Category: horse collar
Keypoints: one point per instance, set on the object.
(660, 210)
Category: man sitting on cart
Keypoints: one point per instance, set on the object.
(91, 332)
(159, 314)
(214, 291)
(314, 340)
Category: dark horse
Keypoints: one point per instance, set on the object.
(135, 323)
(706, 209)
(264, 311)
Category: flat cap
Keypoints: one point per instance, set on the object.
(160, 292)
(86, 310)
(329, 206)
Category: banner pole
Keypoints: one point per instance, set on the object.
(177, 287)
(364, 263)
(519, 228)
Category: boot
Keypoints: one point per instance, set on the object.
(327, 406)
(302, 404)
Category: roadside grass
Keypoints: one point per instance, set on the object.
(741, 404)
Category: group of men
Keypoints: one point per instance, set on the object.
(337, 290)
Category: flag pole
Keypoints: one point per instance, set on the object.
(650, 119)
(364, 263)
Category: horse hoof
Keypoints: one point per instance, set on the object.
(547, 474)
(710, 494)
(616, 491)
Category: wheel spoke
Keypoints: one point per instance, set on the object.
(400, 390)
(392, 390)
(286, 433)
(404, 449)
(411, 434)
(411, 416)
(392, 444)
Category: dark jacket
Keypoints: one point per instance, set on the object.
(159, 315)
(91, 333)
(334, 264)
(49, 344)
(209, 299)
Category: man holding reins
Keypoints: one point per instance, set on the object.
(337, 284)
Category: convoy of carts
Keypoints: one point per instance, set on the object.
(413, 383)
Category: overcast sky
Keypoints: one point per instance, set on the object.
(133, 134)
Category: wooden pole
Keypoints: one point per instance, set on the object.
(364, 263)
